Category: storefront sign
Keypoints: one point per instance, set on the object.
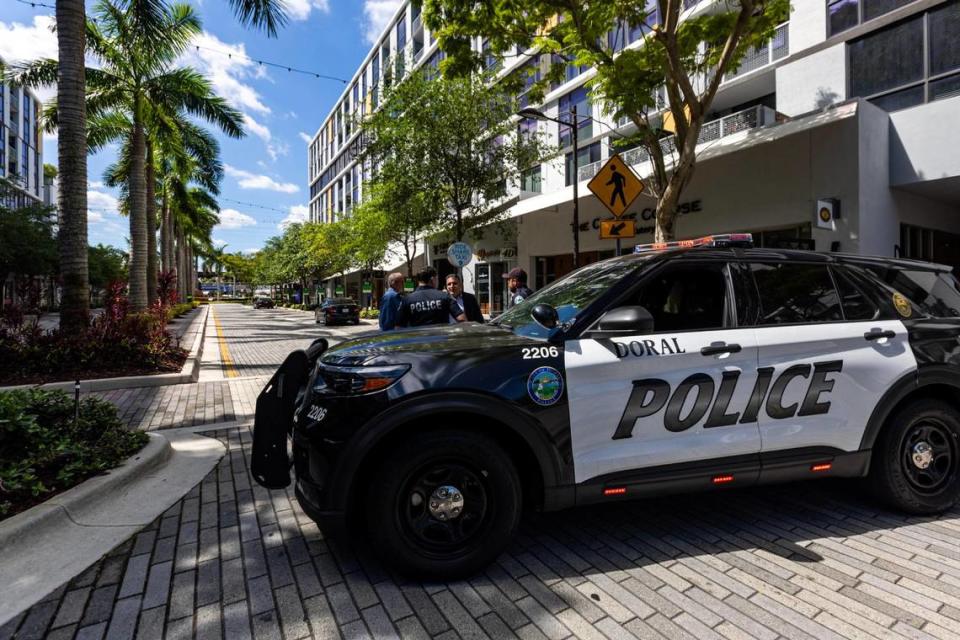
(459, 254)
(368, 287)
(648, 214)
(408, 285)
(338, 290)
(493, 255)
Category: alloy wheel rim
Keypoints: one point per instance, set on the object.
(928, 456)
(444, 508)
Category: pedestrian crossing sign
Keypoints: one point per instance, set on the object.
(616, 229)
(616, 185)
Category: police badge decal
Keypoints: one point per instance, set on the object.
(545, 386)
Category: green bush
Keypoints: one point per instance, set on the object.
(43, 451)
(369, 312)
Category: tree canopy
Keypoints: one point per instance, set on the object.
(666, 83)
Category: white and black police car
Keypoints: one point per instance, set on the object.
(687, 366)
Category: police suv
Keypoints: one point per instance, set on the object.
(686, 366)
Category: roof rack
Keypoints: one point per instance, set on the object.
(744, 240)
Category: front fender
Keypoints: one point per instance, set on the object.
(493, 412)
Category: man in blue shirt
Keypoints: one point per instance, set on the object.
(390, 302)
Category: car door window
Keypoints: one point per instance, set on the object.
(857, 306)
(796, 294)
(686, 297)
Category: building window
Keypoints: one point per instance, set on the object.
(530, 180)
(579, 98)
(491, 62)
(401, 43)
(586, 155)
(845, 14)
(909, 63)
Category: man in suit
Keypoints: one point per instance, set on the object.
(467, 301)
(390, 303)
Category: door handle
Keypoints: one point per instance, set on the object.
(876, 334)
(720, 347)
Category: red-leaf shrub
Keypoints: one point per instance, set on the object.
(117, 342)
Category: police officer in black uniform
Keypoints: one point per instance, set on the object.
(427, 304)
(517, 283)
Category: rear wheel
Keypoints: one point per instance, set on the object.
(917, 458)
(445, 506)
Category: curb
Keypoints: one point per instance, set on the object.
(189, 373)
(48, 545)
(15, 529)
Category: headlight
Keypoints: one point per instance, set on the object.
(357, 380)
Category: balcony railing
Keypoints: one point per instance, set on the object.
(751, 118)
(777, 47)
(587, 171)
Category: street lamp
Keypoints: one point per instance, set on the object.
(536, 114)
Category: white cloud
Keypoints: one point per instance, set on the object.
(256, 128)
(101, 203)
(248, 180)
(306, 137)
(217, 242)
(233, 219)
(94, 184)
(300, 9)
(23, 43)
(275, 148)
(94, 216)
(298, 213)
(377, 14)
(228, 73)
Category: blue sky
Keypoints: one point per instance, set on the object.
(269, 166)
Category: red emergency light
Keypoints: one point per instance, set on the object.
(722, 240)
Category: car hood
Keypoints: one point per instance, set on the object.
(432, 339)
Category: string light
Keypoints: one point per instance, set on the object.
(36, 4)
(275, 65)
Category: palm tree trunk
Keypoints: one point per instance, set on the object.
(72, 154)
(166, 237)
(138, 219)
(151, 211)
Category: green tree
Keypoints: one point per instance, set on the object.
(70, 78)
(454, 141)
(394, 214)
(107, 264)
(28, 243)
(685, 58)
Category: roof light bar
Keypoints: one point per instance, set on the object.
(721, 240)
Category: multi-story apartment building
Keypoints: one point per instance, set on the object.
(21, 149)
(853, 105)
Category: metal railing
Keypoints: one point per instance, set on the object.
(751, 118)
(772, 50)
(587, 171)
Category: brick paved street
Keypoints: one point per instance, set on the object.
(233, 560)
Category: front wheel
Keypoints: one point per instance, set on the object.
(445, 507)
(917, 458)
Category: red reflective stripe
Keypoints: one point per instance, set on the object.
(614, 491)
(722, 479)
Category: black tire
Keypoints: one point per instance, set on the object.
(907, 476)
(409, 536)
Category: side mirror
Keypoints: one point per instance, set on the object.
(545, 315)
(624, 321)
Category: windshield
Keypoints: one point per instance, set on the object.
(569, 295)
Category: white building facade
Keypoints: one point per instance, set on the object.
(21, 150)
(854, 104)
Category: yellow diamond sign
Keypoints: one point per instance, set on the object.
(616, 185)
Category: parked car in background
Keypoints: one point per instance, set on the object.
(337, 310)
(262, 303)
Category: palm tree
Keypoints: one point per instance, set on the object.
(71, 99)
(72, 156)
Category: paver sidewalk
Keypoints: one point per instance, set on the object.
(233, 560)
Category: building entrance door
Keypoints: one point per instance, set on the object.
(490, 287)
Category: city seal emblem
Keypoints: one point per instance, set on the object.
(902, 305)
(545, 386)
